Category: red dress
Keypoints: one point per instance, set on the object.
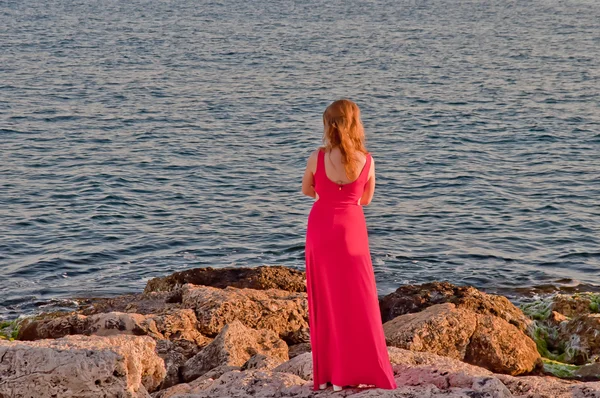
(346, 333)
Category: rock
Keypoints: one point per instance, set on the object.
(300, 366)
(51, 328)
(298, 336)
(297, 349)
(459, 333)
(581, 336)
(261, 361)
(173, 360)
(589, 372)
(175, 331)
(548, 387)
(502, 348)
(80, 366)
(418, 375)
(414, 298)
(286, 313)
(450, 381)
(420, 382)
(233, 346)
(410, 359)
(139, 303)
(441, 329)
(572, 305)
(260, 278)
(173, 324)
(175, 354)
(197, 385)
(252, 383)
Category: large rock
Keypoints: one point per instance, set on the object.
(459, 333)
(572, 305)
(411, 359)
(286, 313)
(251, 383)
(297, 349)
(548, 387)
(414, 298)
(262, 361)
(440, 329)
(175, 354)
(233, 346)
(502, 348)
(175, 330)
(301, 366)
(261, 278)
(80, 366)
(590, 372)
(175, 324)
(139, 303)
(197, 385)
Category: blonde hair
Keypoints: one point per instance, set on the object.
(343, 128)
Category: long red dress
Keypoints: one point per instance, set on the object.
(346, 333)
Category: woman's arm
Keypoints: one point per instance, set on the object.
(369, 189)
(308, 181)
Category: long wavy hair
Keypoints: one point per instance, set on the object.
(343, 128)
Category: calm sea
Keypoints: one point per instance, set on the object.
(139, 138)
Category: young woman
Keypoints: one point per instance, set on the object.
(346, 333)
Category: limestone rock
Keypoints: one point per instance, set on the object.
(175, 324)
(571, 305)
(175, 354)
(138, 303)
(196, 386)
(298, 336)
(502, 348)
(407, 358)
(459, 333)
(589, 372)
(300, 366)
(51, 328)
(251, 383)
(441, 329)
(297, 349)
(260, 278)
(284, 312)
(234, 345)
(414, 298)
(548, 387)
(80, 366)
(262, 361)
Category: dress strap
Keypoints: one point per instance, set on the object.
(320, 162)
(367, 165)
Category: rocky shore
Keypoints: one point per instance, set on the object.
(244, 332)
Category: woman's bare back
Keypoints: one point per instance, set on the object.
(334, 168)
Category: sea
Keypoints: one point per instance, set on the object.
(143, 137)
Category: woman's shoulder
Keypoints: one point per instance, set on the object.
(315, 152)
(313, 160)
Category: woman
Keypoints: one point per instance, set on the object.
(346, 334)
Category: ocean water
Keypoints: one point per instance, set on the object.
(139, 138)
